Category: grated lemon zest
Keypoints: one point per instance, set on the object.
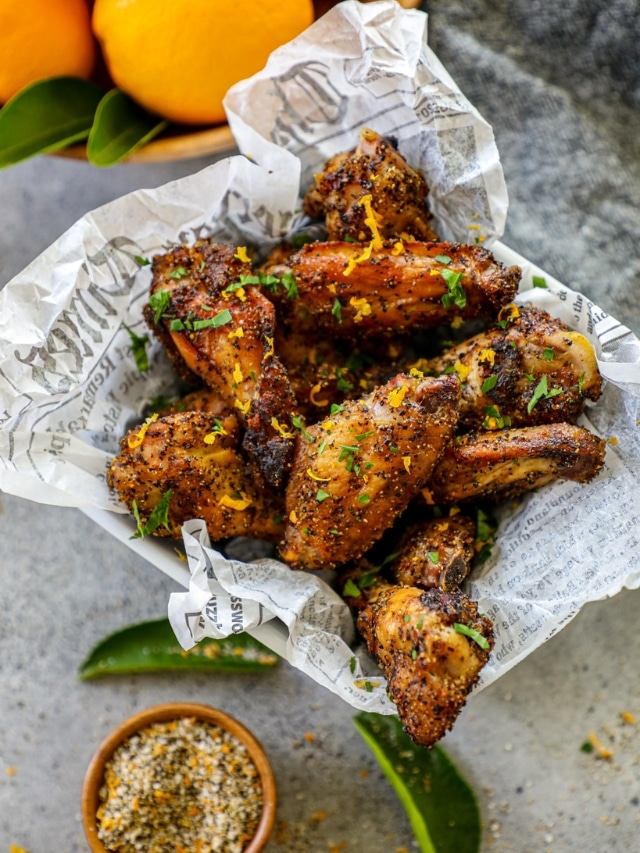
(244, 407)
(284, 432)
(315, 477)
(313, 398)
(293, 517)
(406, 460)
(238, 504)
(372, 220)
(358, 259)
(398, 248)
(271, 350)
(241, 255)
(136, 440)
(239, 333)
(415, 372)
(237, 373)
(331, 287)
(488, 355)
(363, 308)
(397, 395)
(461, 369)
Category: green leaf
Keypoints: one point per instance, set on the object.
(46, 116)
(152, 647)
(120, 127)
(439, 802)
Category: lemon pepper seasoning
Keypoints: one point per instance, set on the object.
(181, 784)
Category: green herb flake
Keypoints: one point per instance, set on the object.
(336, 408)
(539, 281)
(442, 259)
(177, 326)
(297, 422)
(337, 310)
(368, 686)
(299, 240)
(456, 294)
(142, 262)
(489, 383)
(364, 435)
(321, 495)
(433, 556)
(178, 273)
(580, 384)
(406, 617)
(364, 499)
(220, 319)
(322, 447)
(414, 654)
(474, 635)
(587, 747)
(542, 392)
(351, 590)
(159, 516)
(352, 665)
(139, 349)
(159, 302)
(548, 353)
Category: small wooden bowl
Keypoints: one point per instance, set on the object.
(94, 777)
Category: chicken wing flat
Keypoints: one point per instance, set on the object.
(222, 331)
(435, 553)
(375, 169)
(355, 471)
(504, 464)
(526, 369)
(394, 289)
(424, 642)
(194, 456)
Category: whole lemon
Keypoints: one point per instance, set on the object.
(43, 38)
(177, 58)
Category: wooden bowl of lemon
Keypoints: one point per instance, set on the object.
(107, 81)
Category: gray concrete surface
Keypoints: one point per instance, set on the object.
(571, 163)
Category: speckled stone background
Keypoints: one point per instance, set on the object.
(560, 84)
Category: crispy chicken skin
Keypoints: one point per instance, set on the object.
(504, 464)
(429, 666)
(235, 356)
(359, 468)
(435, 553)
(195, 455)
(393, 291)
(513, 361)
(398, 193)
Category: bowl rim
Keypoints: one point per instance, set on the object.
(171, 711)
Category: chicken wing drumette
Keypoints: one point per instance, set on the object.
(527, 368)
(220, 330)
(504, 464)
(435, 553)
(431, 646)
(375, 168)
(346, 290)
(195, 457)
(355, 471)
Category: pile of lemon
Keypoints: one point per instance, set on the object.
(175, 58)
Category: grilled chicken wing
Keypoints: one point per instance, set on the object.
(419, 285)
(194, 455)
(222, 332)
(375, 169)
(503, 464)
(429, 664)
(354, 472)
(532, 371)
(435, 553)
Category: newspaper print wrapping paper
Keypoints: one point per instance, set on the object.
(69, 385)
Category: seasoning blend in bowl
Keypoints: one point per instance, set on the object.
(179, 777)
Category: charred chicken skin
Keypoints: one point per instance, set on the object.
(435, 553)
(222, 332)
(528, 368)
(355, 471)
(430, 665)
(394, 289)
(504, 464)
(398, 193)
(195, 456)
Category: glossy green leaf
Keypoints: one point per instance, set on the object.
(441, 806)
(46, 116)
(152, 647)
(120, 127)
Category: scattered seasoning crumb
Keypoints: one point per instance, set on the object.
(601, 750)
(318, 816)
(628, 717)
(13, 848)
(11, 771)
(181, 784)
(309, 737)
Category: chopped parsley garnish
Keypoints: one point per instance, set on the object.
(493, 413)
(178, 273)
(321, 495)
(337, 310)
(442, 259)
(159, 516)
(322, 447)
(342, 384)
(364, 499)
(335, 408)
(296, 420)
(542, 392)
(220, 319)
(433, 556)
(299, 240)
(539, 281)
(470, 632)
(489, 383)
(580, 384)
(139, 349)
(352, 665)
(456, 294)
(587, 747)
(364, 435)
(548, 353)
(351, 590)
(142, 262)
(159, 302)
